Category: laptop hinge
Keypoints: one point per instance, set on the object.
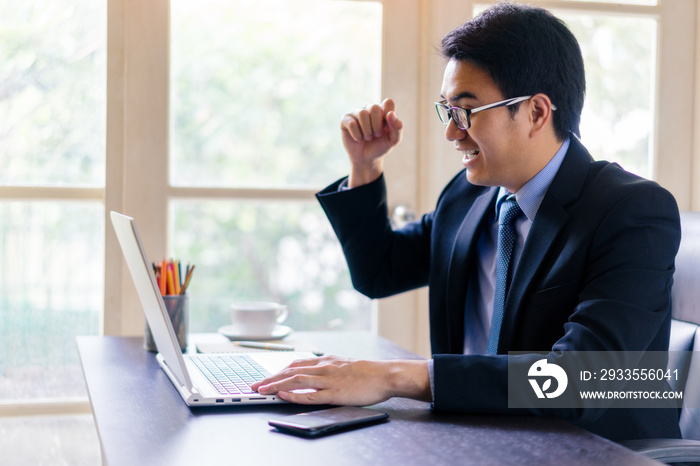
(186, 391)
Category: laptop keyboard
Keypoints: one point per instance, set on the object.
(230, 375)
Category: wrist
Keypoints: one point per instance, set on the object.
(409, 379)
(365, 174)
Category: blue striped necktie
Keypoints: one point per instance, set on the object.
(504, 256)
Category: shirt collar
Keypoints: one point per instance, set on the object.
(530, 196)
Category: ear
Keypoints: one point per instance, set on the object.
(540, 109)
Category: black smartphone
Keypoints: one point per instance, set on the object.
(327, 420)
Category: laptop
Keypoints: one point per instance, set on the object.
(201, 379)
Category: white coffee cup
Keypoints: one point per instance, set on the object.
(257, 318)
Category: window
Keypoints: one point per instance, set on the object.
(272, 250)
(257, 92)
(258, 89)
(619, 53)
(52, 150)
(52, 256)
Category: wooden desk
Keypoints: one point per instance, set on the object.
(141, 419)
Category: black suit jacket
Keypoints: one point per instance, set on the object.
(595, 274)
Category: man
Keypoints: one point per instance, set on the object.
(592, 247)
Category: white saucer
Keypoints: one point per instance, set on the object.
(232, 333)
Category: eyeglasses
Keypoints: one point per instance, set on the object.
(461, 116)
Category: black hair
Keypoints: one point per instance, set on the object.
(526, 50)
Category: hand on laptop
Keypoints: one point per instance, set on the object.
(341, 381)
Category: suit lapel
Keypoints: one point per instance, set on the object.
(551, 217)
(463, 254)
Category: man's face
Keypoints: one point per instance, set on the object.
(493, 147)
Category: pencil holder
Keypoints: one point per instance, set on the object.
(178, 310)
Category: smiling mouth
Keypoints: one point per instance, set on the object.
(470, 154)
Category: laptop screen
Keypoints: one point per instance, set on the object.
(149, 294)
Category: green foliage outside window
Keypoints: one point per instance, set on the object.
(258, 91)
